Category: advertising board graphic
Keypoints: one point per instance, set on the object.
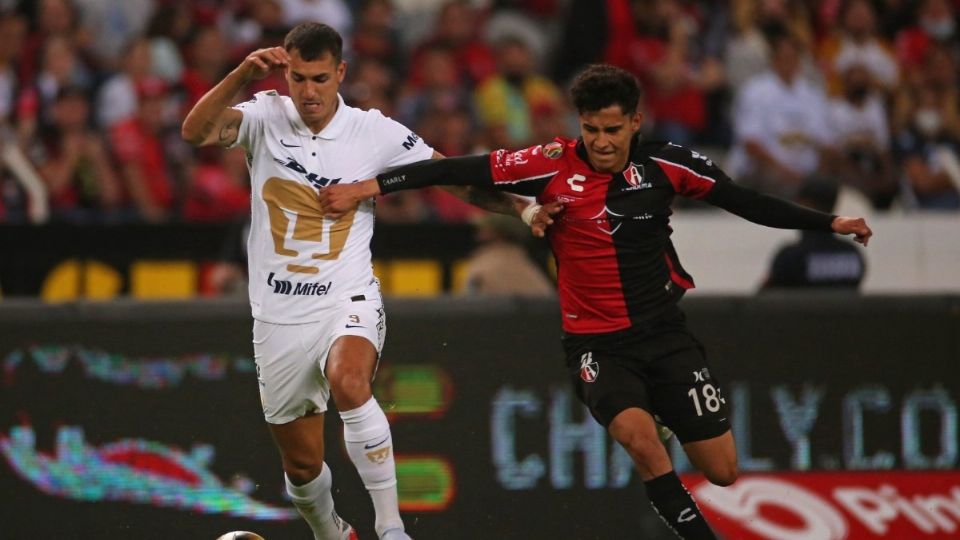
(143, 421)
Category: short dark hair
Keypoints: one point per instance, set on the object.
(602, 85)
(313, 40)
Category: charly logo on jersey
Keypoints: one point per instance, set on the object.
(589, 369)
(298, 288)
(314, 178)
(634, 176)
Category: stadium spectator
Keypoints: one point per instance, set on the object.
(857, 42)
(13, 32)
(73, 161)
(207, 62)
(505, 102)
(53, 19)
(936, 24)
(930, 152)
(780, 125)
(457, 29)
(332, 12)
(117, 98)
(819, 259)
(370, 84)
(436, 85)
(660, 50)
(500, 264)
(59, 68)
(169, 32)
(858, 122)
(376, 35)
(113, 25)
(138, 144)
(217, 187)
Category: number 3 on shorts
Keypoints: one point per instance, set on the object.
(711, 398)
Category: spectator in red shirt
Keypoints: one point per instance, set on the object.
(81, 182)
(207, 63)
(456, 30)
(219, 186)
(138, 146)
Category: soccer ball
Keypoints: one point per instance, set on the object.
(241, 535)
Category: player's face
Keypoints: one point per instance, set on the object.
(313, 87)
(607, 134)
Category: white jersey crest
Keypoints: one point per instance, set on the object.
(299, 261)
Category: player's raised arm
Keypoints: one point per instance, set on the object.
(212, 120)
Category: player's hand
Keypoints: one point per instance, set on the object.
(338, 199)
(544, 218)
(855, 226)
(261, 62)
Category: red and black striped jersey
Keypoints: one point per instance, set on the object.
(616, 263)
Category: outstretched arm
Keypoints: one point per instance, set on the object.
(339, 199)
(487, 199)
(774, 212)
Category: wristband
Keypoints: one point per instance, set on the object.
(529, 213)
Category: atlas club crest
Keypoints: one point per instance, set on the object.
(589, 370)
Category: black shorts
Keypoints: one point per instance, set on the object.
(659, 367)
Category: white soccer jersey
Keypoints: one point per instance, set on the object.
(300, 262)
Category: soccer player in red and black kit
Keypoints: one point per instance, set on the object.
(607, 198)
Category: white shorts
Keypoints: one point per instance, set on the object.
(292, 358)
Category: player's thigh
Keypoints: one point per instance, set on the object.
(291, 385)
(603, 379)
(685, 393)
(362, 316)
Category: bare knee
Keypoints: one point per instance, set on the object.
(723, 475)
(350, 388)
(302, 470)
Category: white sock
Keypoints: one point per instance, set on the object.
(366, 433)
(315, 503)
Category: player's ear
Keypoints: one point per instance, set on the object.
(636, 120)
(341, 71)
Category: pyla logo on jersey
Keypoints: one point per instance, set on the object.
(589, 370)
(282, 286)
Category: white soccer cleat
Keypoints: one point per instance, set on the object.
(241, 535)
(347, 532)
(395, 534)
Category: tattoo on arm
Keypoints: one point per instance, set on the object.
(229, 131)
(493, 201)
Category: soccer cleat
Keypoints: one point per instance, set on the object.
(395, 534)
(347, 532)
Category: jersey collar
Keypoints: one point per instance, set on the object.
(334, 127)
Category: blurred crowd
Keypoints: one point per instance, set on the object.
(862, 93)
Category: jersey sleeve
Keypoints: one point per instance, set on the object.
(535, 166)
(394, 144)
(692, 174)
(254, 114)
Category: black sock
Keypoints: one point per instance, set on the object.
(676, 508)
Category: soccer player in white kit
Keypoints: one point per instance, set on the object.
(319, 321)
